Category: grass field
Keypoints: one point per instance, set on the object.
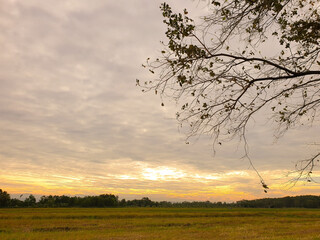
(159, 223)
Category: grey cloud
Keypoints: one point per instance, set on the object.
(69, 104)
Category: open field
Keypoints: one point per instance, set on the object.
(159, 223)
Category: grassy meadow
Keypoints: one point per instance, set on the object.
(159, 223)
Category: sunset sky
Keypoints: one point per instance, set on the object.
(73, 121)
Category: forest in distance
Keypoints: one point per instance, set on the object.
(110, 200)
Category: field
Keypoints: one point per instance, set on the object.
(159, 223)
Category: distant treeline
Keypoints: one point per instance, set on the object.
(110, 200)
(307, 201)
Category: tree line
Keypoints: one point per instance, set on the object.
(307, 201)
(110, 200)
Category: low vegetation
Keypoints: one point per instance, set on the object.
(159, 223)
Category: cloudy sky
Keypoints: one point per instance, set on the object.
(72, 120)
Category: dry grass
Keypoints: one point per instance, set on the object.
(159, 223)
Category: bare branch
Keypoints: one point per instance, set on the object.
(220, 88)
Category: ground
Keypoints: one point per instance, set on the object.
(159, 223)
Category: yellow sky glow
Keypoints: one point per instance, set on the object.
(149, 181)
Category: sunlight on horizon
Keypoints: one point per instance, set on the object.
(152, 182)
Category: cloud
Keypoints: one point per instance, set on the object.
(73, 120)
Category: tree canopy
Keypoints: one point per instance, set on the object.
(246, 56)
(110, 200)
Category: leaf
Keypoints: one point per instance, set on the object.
(264, 185)
(216, 3)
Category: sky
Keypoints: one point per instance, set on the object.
(72, 120)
